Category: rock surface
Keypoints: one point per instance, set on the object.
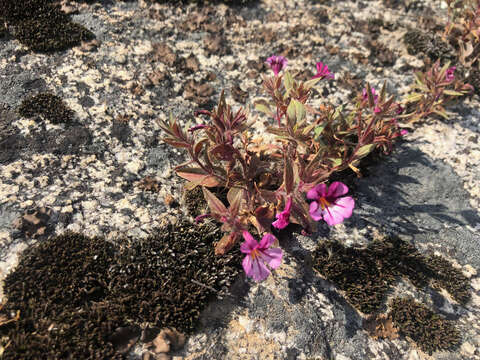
(137, 70)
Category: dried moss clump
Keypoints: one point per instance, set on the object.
(367, 274)
(418, 41)
(58, 286)
(173, 276)
(49, 106)
(195, 202)
(42, 25)
(429, 330)
(75, 292)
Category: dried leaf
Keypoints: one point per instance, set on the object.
(381, 327)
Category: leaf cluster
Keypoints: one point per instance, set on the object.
(304, 147)
(432, 92)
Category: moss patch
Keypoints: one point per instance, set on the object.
(195, 202)
(431, 45)
(74, 292)
(49, 106)
(42, 25)
(430, 331)
(367, 274)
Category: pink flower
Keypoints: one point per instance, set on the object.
(374, 94)
(399, 110)
(259, 256)
(284, 216)
(277, 63)
(323, 72)
(449, 75)
(328, 203)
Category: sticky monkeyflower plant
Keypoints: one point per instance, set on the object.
(433, 90)
(274, 183)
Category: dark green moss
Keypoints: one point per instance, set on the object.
(42, 25)
(75, 292)
(367, 274)
(429, 330)
(47, 105)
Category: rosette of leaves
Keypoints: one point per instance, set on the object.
(261, 175)
(433, 91)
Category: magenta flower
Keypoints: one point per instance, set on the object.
(449, 75)
(328, 203)
(259, 256)
(323, 72)
(374, 94)
(284, 216)
(277, 63)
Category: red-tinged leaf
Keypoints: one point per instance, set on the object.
(288, 178)
(198, 176)
(236, 197)
(176, 143)
(226, 243)
(267, 195)
(214, 203)
(264, 217)
(197, 148)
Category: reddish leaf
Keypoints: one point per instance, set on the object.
(226, 243)
(288, 179)
(214, 203)
(198, 176)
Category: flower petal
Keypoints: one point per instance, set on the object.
(315, 211)
(247, 265)
(337, 189)
(341, 210)
(281, 222)
(259, 270)
(267, 240)
(317, 192)
(273, 257)
(250, 243)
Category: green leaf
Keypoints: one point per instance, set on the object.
(365, 150)
(336, 162)
(263, 106)
(295, 112)
(311, 83)
(441, 113)
(452, 93)
(414, 97)
(288, 81)
(318, 130)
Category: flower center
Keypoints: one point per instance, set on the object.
(324, 203)
(254, 254)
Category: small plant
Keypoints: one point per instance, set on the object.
(433, 90)
(269, 182)
(463, 29)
